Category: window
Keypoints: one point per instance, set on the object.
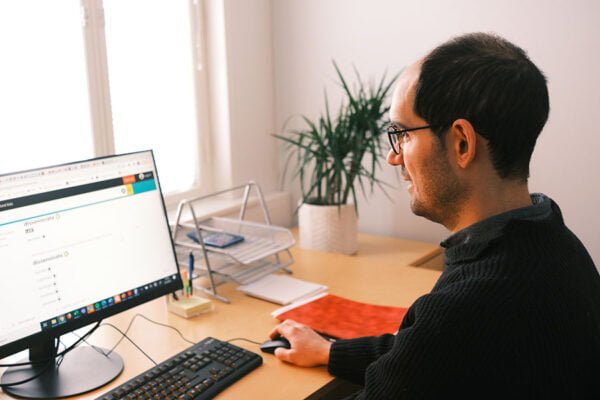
(93, 77)
(44, 99)
(150, 71)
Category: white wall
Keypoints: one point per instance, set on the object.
(562, 38)
(240, 69)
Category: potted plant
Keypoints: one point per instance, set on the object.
(330, 162)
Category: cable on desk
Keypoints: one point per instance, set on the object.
(65, 351)
(124, 336)
(20, 364)
(43, 371)
(60, 359)
(60, 356)
(98, 349)
(48, 361)
(132, 342)
(166, 326)
(149, 320)
(244, 339)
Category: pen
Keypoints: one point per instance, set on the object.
(191, 271)
(186, 281)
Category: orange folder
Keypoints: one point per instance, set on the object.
(341, 318)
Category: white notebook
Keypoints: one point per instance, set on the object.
(281, 289)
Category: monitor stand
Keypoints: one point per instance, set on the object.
(83, 369)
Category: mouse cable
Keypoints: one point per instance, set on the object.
(154, 322)
(166, 326)
(124, 335)
(132, 342)
(244, 339)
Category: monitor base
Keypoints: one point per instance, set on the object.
(82, 370)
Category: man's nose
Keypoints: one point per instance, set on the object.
(395, 159)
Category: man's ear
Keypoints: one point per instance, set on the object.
(462, 142)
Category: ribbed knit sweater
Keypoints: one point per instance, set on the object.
(514, 315)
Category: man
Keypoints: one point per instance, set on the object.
(516, 312)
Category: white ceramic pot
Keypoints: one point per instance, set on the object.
(328, 228)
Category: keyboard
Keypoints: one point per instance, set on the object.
(199, 372)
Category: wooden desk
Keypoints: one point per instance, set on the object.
(378, 274)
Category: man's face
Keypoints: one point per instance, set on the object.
(435, 190)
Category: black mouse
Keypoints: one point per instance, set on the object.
(270, 345)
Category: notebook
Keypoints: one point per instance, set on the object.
(282, 289)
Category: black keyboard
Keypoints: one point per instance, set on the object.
(199, 372)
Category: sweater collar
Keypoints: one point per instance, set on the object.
(469, 242)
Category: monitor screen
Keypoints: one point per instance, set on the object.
(80, 242)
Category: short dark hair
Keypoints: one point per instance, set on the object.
(494, 85)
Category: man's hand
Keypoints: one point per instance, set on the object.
(309, 349)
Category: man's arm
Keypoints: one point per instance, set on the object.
(345, 358)
(349, 359)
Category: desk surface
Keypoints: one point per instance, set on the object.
(378, 274)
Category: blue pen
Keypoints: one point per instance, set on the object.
(191, 271)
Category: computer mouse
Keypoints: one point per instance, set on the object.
(270, 345)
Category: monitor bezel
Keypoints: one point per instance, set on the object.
(26, 342)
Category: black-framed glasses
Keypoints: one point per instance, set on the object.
(397, 136)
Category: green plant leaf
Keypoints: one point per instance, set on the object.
(330, 151)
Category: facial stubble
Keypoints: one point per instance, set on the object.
(442, 194)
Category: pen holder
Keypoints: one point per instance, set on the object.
(189, 307)
(185, 304)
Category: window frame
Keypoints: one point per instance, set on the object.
(93, 23)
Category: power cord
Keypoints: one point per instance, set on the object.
(48, 361)
(65, 351)
(20, 364)
(42, 372)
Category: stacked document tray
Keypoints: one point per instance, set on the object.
(263, 250)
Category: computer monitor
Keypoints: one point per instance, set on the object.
(79, 242)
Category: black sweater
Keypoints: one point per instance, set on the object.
(514, 316)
